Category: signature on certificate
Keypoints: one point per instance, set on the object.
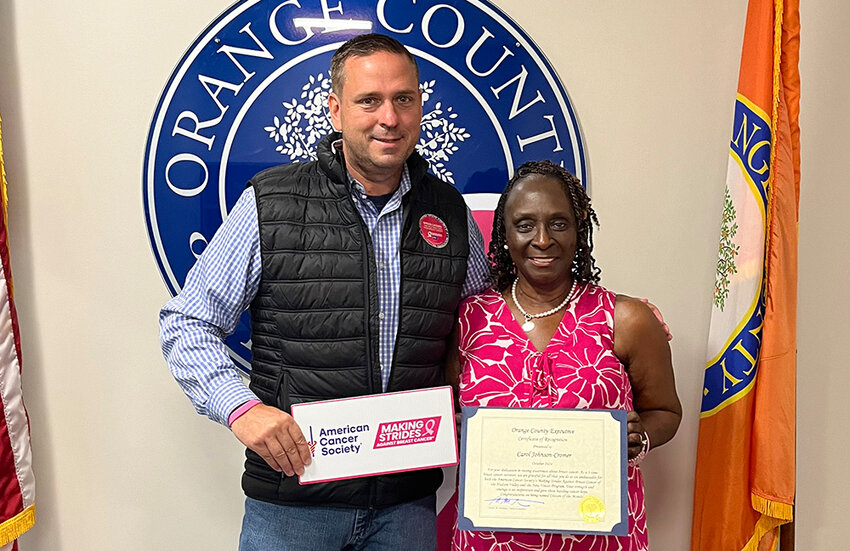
(513, 502)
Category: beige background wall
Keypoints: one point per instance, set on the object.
(123, 463)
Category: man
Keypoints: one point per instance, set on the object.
(353, 267)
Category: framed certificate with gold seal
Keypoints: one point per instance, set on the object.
(543, 470)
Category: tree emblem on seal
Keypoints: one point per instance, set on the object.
(728, 251)
(306, 120)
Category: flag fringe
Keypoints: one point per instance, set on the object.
(13, 528)
(778, 15)
(4, 199)
(773, 514)
(3, 195)
(764, 526)
(775, 509)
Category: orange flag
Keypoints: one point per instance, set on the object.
(745, 482)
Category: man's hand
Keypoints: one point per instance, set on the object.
(275, 436)
(658, 315)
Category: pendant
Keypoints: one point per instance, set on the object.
(528, 326)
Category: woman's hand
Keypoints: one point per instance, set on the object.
(635, 435)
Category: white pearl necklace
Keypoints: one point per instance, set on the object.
(529, 325)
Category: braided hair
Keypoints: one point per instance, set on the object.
(502, 268)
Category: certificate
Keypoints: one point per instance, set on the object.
(378, 434)
(544, 470)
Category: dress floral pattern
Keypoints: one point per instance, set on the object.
(578, 369)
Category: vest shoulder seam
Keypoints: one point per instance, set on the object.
(315, 310)
(310, 224)
(310, 280)
(314, 251)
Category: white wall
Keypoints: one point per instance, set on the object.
(122, 462)
(824, 304)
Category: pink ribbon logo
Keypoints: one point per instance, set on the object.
(407, 432)
(429, 427)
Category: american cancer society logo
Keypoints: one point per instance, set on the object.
(337, 440)
(251, 92)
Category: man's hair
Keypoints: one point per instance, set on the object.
(584, 269)
(361, 46)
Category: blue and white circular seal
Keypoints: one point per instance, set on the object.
(251, 92)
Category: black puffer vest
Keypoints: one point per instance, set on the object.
(315, 317)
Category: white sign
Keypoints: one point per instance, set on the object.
(379, 434)
(544, 470)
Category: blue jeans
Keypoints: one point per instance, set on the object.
(269, 527)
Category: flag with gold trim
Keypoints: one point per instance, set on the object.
(745, 479)
(17, 484)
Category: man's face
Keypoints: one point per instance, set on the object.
(378, 111)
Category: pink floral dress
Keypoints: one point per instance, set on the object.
(578, 369)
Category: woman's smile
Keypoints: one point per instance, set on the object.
(542, 261)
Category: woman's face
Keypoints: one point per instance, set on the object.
(540, 230)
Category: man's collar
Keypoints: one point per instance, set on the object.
(404, 183)
(403, 186)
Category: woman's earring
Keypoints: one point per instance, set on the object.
(505, 246)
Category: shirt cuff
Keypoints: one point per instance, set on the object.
(241, 410)
(226, 399)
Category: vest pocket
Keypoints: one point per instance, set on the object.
(282, 391)
(259, 477)
(258, 474)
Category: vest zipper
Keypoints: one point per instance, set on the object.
(367, 281)
(282, 391)
(401, 238)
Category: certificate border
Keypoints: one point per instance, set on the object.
(619, 529)
(365, 475)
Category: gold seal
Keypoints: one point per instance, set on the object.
(591, 509)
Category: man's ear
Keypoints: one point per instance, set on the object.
(334, 109)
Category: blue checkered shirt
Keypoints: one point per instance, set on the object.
(225, 279)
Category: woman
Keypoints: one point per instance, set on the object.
(547, 335)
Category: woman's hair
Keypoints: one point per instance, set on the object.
(584, 270)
